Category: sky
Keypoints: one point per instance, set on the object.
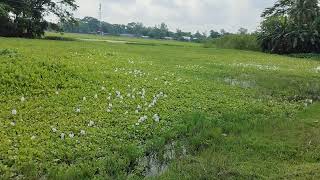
(187, 15)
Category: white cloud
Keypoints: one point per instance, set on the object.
(188, 15)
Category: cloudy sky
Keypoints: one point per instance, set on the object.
(188, 15)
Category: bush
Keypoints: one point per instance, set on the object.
(242, 42)
(58, 38)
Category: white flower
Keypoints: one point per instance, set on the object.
(78, 110)
(14, 112)
(96, 96)
(71, 135)
(23, 99)
(109, 98)
(126, 112)
(109, 110)
(82, 132)
(128, 95)
(33, 137)
(62, 135)
(137, 124)
(318, 69)
(156, 118)
(84, 98)
(54, 129)
(118, 94)
(103, 88)
(57, 92)
(91, 123)
(142, 119)
(13, 124)
(110, 105)
(137, 111)
(309, 101)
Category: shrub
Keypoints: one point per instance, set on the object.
(235, 41)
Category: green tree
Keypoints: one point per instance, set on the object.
(291, 26)
(243, 31)
(214, 34)
(25, 18)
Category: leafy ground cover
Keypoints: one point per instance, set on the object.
(85, 109)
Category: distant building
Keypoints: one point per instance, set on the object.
(168, 38)
(186, 38)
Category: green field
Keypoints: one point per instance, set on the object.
(155, 109)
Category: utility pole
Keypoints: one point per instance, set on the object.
(100, 19)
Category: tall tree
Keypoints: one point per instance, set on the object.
(25, 18)
(291, 26)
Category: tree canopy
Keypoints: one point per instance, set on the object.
(25, 18)
(291, 26)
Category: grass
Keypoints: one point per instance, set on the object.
(224, 114)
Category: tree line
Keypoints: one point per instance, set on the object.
(290, 26)
(94, 26)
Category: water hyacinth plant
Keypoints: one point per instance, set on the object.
(92, 122)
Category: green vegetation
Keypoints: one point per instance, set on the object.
(77, 110)
(26, 18)
(236, 41)
(291, 27)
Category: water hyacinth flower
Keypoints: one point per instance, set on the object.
(71, 135)
(14, 112)
(142, 119)
(82, 132)
(13, 124)
(90, 124)
(156, 118)
(54, 129)
(118, 94)
(62, 135)
(309, 101)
